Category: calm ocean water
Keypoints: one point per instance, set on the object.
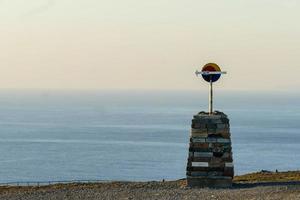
(141, 135)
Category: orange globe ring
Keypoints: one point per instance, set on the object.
(211, 67)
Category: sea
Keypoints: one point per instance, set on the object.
(136, 135)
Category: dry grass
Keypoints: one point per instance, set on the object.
(269, 177)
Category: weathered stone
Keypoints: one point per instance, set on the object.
(194, 149)
(211, 126)
(200, 159)
(228, 164)
(217, 121)
(197, 173)
(199, 132)
(199, 135)
(203, 154)
(210, 157)
(222, 140)
(222, 126)
(216, 163)
(227, 155)
(225, 120)
(229, 171)
(225, 135)
(214, 173)
(218, 182)
(202, 130)
(211, 139)
(218, 154)
(200, 145)
(197, 139)
(200, 123)
(200, 164)
(205, 169)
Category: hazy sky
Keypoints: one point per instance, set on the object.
(158, 44)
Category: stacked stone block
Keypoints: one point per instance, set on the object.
(210, 162)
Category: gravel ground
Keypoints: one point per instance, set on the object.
(150, 190)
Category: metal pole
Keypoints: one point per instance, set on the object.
(210, 107)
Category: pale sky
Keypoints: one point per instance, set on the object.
(158, 44)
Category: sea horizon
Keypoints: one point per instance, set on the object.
(137, 135)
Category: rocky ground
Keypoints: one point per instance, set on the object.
(265, 185)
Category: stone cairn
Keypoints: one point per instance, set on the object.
(210, 161)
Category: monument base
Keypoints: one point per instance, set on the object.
(212, 182)
(210, 162)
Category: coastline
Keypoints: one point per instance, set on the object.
(259, 185)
